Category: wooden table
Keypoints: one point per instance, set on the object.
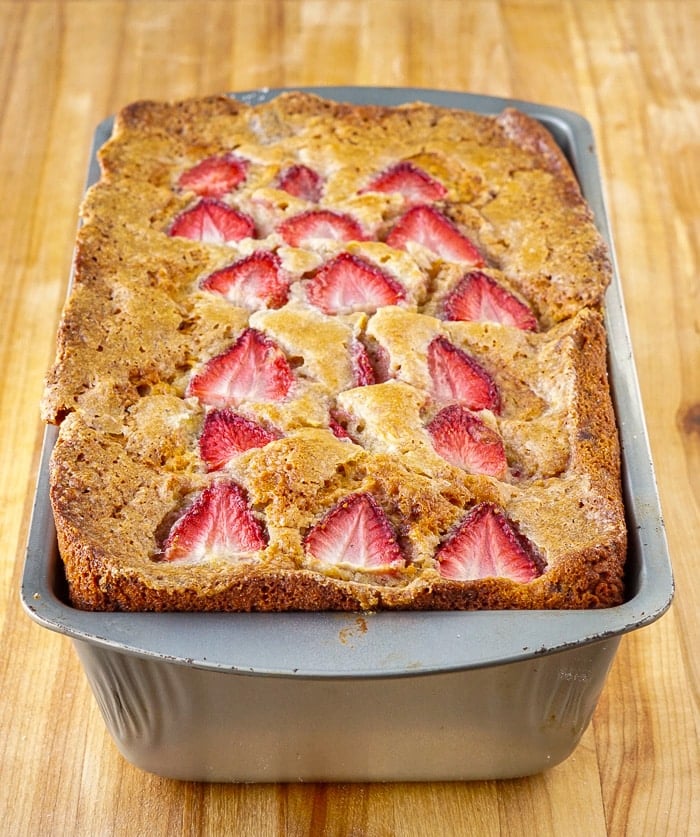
(631, 68)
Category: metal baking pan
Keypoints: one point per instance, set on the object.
(371, 697)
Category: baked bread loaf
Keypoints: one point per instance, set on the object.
(327, 356)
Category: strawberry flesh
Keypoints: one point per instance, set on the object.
(355, 531)
(456, 376)
(215, 176)
(412, 182)
(336, 428)
(302, 182)
(253, 369)
(487, 544)
(348, 283)
(258, 281)
(480, 298)
(464, 440)
(212, 222)
(226, 434)
(426, 226)
(219, 523)
(320, 223)
(363, 372)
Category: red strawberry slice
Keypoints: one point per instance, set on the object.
(426, 226)
(226, 434)
(348, 283)
(456, 376)
(212, 222)
(253, 369)
(480, 298)
(410, 181)
(218, 524)
(363, 372)
(320, 223)
(337, 428)
(302, 182)
(215, 176)
(488, 544)
(258, 281)
(355, 531)
(464, 440)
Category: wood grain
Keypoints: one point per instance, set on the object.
(630, 67)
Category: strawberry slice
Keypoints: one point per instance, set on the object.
(456, 376)
(363, 372)
(212, 222)
(215, 176)
(464, 440)
(336, 428)
(355, 531)
(488, 544)
(219, 523)
(258, 281)
(302, 182)
(480, 298)
(407, 179)
(320, 223)
(426, 226)
(253, 369)
(226, 434)
(348, 283)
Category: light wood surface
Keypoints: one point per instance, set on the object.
(631, 67)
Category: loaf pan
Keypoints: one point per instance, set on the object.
(338, 697)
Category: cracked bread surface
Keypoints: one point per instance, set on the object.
(139, 326)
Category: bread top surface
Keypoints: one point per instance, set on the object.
(142, 323)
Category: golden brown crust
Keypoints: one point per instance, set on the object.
(533, 136)
(138, 325)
